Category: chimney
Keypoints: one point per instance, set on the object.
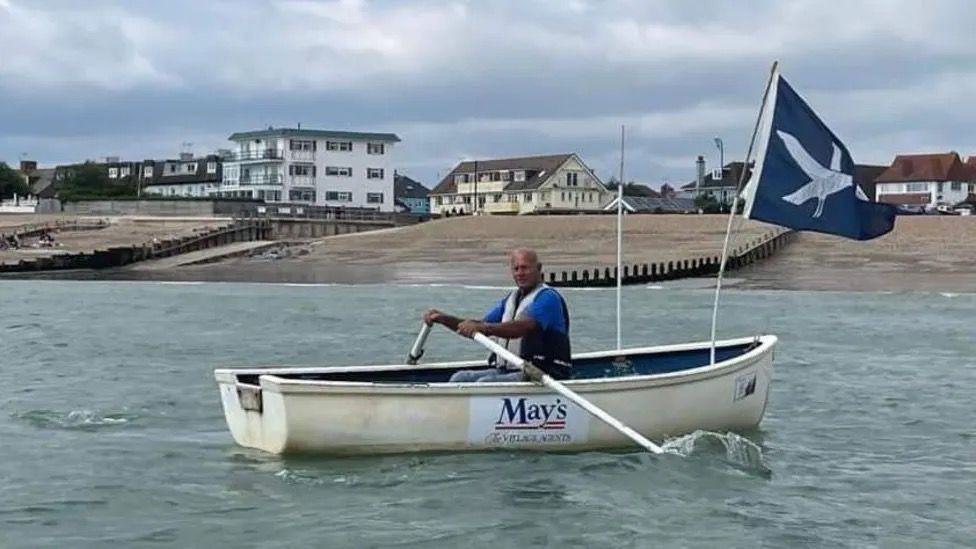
(700, 180)
(27, 166)
(186, 156)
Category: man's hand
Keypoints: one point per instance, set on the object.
(468, 328)
(431, 316)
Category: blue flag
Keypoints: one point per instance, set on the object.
(804, 176)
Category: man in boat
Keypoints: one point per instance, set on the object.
(532, 322)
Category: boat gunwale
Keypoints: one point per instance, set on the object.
(271, 378)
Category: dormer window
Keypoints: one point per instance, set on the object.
(519, 175)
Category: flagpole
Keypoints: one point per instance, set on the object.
(620, 209)
(735, 202)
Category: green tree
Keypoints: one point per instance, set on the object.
(91, 181)
(12, 182)
(707, 203)
(631, 189)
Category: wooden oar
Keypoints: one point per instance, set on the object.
(417, 350)
(537, 374)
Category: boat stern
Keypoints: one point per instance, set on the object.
(255, 417)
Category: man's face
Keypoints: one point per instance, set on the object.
(525, 271)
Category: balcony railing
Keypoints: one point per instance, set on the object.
(264, 154)
(302, 155)
(251, 180)
(301, 181)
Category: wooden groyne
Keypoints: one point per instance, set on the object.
(38, 229)
(742, 256)
(238, 231)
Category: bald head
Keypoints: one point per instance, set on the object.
(526, 269)
(524, 254)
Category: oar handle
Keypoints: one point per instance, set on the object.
(417, 350)
(548, 381)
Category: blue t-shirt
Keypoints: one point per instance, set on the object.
(546, 309)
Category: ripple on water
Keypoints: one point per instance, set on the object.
(83, 420)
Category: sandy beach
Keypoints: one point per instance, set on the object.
(121, 231)
(923, 253)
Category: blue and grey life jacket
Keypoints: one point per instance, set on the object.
(548, 349)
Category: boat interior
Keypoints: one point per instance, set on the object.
(583, 368)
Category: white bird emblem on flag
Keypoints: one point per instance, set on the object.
(823, 181)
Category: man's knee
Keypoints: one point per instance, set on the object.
(465, 376)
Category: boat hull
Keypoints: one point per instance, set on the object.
(284, 412)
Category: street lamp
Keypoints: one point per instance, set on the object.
(721, 155)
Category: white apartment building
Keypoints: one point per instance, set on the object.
(316, 167)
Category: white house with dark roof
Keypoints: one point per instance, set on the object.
(721, 186)
(315, 167)
(532, 184)
(926, 180)
(186, 176)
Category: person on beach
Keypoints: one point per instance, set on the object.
(532, 322)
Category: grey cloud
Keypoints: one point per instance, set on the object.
(493, 78)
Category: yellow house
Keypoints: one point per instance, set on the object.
(534, 184)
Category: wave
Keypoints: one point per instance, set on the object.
(739, 451)
(73, 420)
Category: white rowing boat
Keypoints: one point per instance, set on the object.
(658, 391)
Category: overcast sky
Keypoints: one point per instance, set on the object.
(482, 79)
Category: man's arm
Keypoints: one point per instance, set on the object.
(512, 329)
(507, 330)
(434, 316)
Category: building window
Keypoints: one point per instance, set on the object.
(374, 198)
(147, 172)
(562, 196)
(571, 179)
(527, 197)
(172, 168)
(301, 169)
(301, 145)
(301, 196)
(113, 173)
(338, 171)
(374, 173)
(917, 187)
(211, 167)
(342, 146)
(938, 187)
(338, 196)
(124, 171)
(191, 168)
(520, 175)
(956, 186)
(438, 201)
(375, 148)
